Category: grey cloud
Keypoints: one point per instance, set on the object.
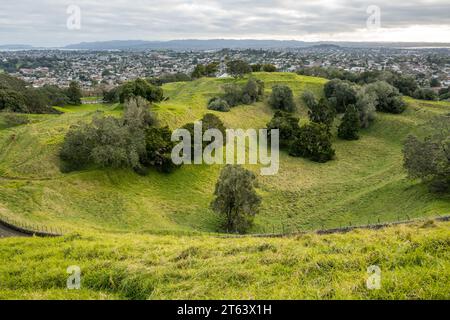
(44, 22)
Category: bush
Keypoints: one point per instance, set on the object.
(313, 141)
(425, 94)
(288, 126)
(282, 98)
(252, 92)
(236, 199)
(12, 119)
(350, 125)
(218, 104)
(388, 98)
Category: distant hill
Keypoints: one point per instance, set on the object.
(217, 44)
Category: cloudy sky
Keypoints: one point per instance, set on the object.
(44, 22)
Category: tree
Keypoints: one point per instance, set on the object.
(319, 112)
(429, 159)
(388, 98)
(199, 71)
(211, 69)
(350, 124)
(282, 98)
(313, 141)
(238, 68)
(269, 68)
(435, 83)
(236, 198)
(158, 149)
(365, 104)
(288, 126)
(256, 67)
(13, 101)
(74, 93)
(253, 91)
(340, 94)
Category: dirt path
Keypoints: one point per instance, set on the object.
(6, 232)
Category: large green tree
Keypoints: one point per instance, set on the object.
(236, 199)
(74, 93)
(282, 98)
(313, 141)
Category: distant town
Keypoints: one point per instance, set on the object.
(429, 66)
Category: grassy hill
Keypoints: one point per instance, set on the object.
(149, 237)
(366, 182)
(414, 262)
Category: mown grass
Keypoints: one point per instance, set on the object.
(364, 184)
(414, 260)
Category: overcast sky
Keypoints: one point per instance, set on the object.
(44, 22)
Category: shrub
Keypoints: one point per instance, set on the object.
(313, 141)
(282, 98)
(236, 198)
(350, 125)
(12, 119)
(218, 104)
(425, 94)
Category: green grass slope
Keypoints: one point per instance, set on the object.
(365, 183)
(414, 262)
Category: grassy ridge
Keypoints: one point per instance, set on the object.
(414, 260)
(365, 183)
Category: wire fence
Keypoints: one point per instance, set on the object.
(31, 229)
(284, 229)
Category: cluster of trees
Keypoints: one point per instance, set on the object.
(16, 96)
(444, 94)
(169, 78)
(312, 140)
(133, 141)
(133, 89)
(266, 67)
(235, 94)
(405, 84)
(205, 70)
(428, 159)
(238, 68)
